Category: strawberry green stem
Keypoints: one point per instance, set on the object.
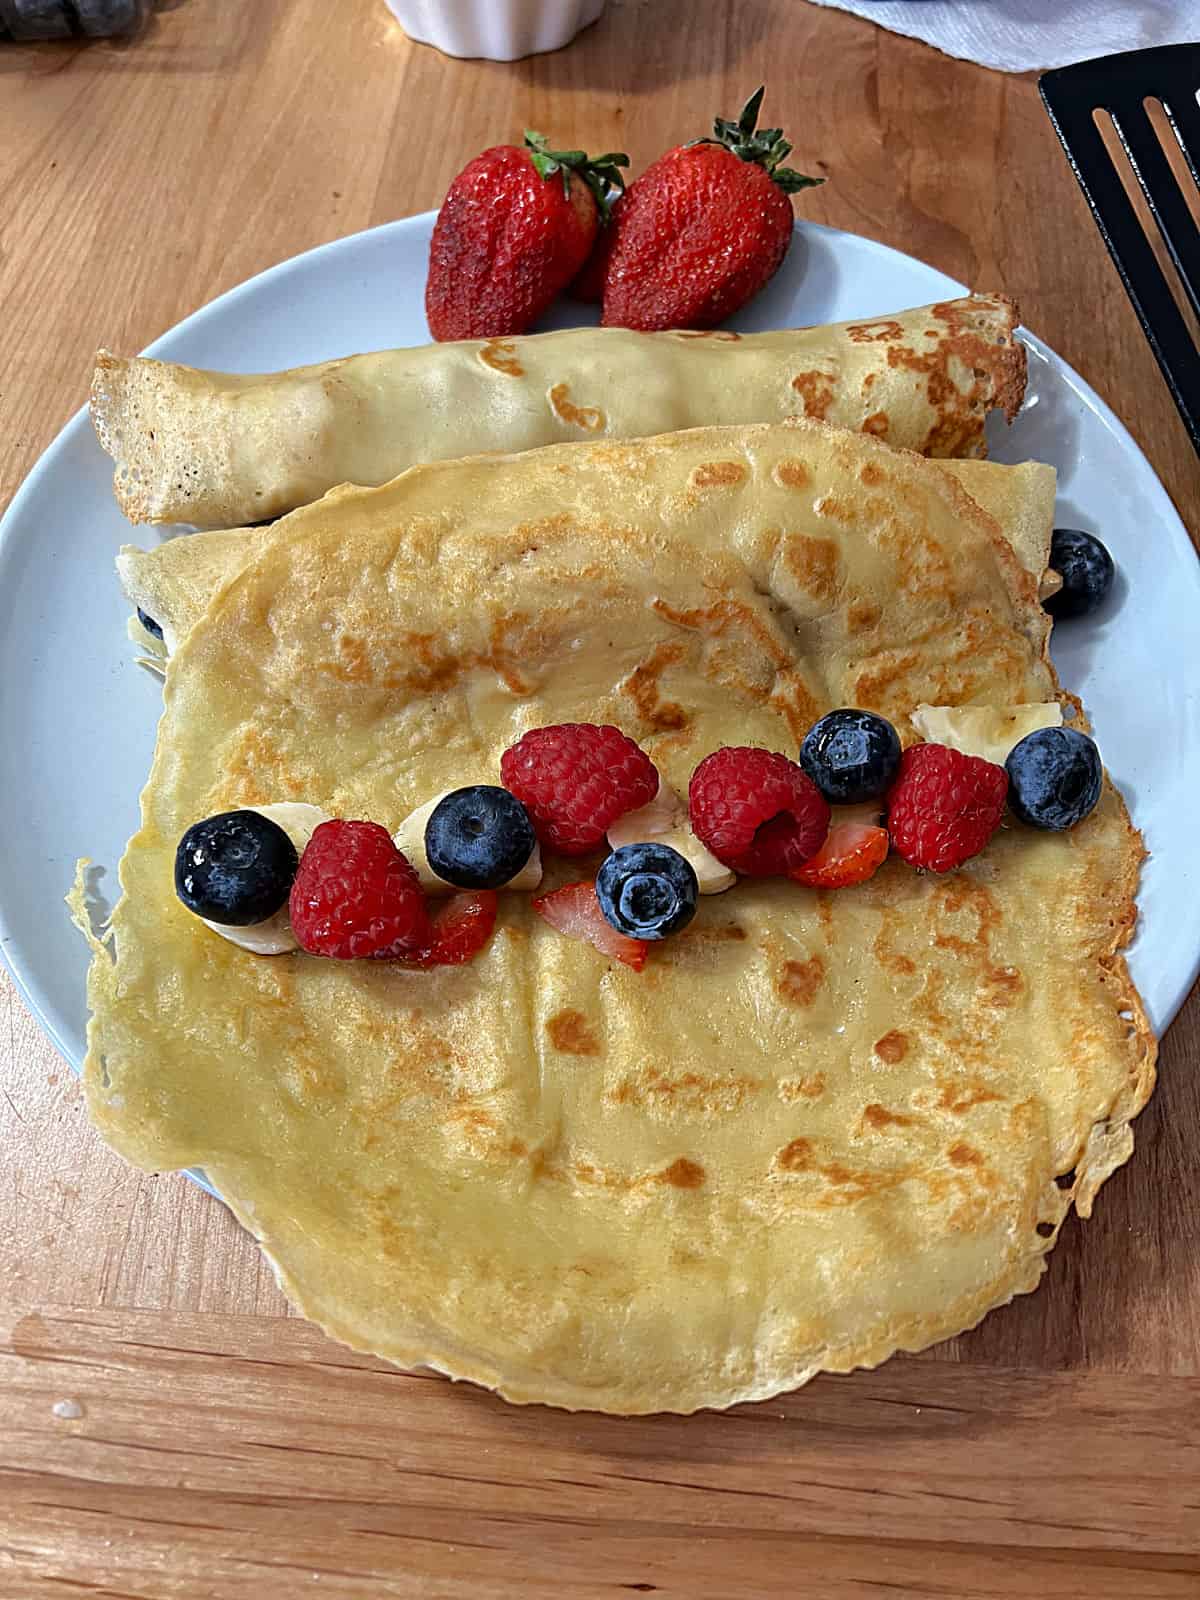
(766, 147)
(602, 174)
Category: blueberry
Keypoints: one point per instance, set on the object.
(236, 868)
(1086, 570)
(647, 891)
(1054, 778)
(851, 756)
(479, 838)
(149, 624)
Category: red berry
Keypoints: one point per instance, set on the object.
(852, 853)
(575, 780)
(757, 812)
(514, 229)
(944, 806)
(458, 930)
(589, 284)
(355, 895)
(703, 228)
(575, 911)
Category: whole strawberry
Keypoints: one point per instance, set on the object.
(515, 227)
(703, 229)
(457, 931)
(944, 806)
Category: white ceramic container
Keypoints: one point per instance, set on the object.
(497, 30)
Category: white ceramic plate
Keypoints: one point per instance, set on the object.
(77, 716)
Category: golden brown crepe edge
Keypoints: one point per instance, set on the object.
(1006, 363)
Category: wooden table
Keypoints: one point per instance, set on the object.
(165, 1428)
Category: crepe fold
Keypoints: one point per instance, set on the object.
(817, 1128)
(214, 449)
(174, 582)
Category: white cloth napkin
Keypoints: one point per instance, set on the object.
(1022, 35)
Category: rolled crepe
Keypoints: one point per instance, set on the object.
(175, 582)
(214, 450)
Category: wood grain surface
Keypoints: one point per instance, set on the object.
(211, 1444)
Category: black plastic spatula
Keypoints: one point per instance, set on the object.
(1124, 87)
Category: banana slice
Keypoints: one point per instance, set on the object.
(274, 937)
(665, 821)
(409, 839)
(987, 731)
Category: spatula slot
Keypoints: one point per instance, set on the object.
(1139, 159)
(1130, 125)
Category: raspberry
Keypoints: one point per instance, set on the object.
(852, 853)
(575, 911)
(575, 780)
(458, 931)
(944, 806)
(757, 812)
(355, 895)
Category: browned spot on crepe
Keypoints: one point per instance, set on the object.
(724, 665)
(877, 424)
(963, 1155)
(877, 1116)
(793, 475)
(697, 1093)
(590, 418)
(642, 687)
(256, 773)
(810, 1088)
(722, 616)
(893, 1047)
(984, 375)
(419, 663)
(968, 916)
(718, 474)
(571, 1033)
(861, 615)
(859, 1185)
(683, 1174)
(886, 330)
(817, 392)
(795, 1157)
(813, 563)
(962, 1096)
(501, 356)
(799, 981)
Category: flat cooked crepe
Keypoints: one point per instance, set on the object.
(174, 582)
(817, 1128)
(213, 449)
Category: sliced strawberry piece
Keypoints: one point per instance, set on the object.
(575, 911)
(458, 931)
(852, 853)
